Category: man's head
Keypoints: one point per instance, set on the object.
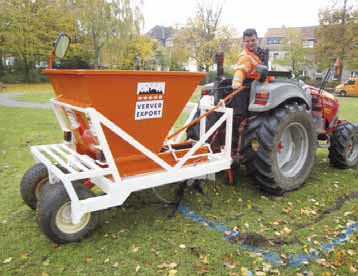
(250, 39)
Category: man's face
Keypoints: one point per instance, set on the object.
(250, 43)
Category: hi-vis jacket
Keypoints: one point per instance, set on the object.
(245, 68)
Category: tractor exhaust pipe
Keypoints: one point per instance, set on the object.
(219, 58)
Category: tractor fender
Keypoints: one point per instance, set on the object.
(279, 91)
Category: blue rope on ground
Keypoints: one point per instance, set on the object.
(305, 258)
(272, 257)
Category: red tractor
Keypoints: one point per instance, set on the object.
(287, 119)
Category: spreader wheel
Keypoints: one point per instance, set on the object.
(32, 183)
(343, 149)
(54, 214)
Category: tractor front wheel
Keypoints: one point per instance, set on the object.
(343, 149)
(279, 148)
(54, 214)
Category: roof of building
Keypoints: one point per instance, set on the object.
(161, 33)
(308, 32)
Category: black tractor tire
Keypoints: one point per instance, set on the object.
(343, 93)
(343, 149)
(51, 211)
(262, 145)
(31, 184)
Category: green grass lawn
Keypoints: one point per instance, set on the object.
(141, 239)
(29, 87)
(38, 97)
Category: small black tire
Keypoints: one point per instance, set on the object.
(263, 143)
(54, 219)
(343, 149)
(31, 184)
(343, 93)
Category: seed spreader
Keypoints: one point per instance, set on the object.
(116, 127)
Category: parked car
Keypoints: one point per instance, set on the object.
(349, 88)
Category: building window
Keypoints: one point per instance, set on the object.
(275, 56)
(273, 40)
(308, 44)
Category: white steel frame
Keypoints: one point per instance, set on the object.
(117, 188)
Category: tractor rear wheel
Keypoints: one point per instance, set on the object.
(279, 148)
(343, 149)
(54, 214)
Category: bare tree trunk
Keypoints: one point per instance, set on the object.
(26, 68)
(343, 31)
(96, 50)
(2, 68)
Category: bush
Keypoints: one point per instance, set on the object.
(18, 76)
(314, 83)
(212, 76)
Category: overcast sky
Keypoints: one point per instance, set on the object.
(237, 13)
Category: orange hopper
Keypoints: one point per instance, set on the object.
(145, 104)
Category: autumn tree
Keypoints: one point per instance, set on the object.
(337, 34)
(296, 55)
(138, 52)
(203, 36)
(28, 29)
(110, 25)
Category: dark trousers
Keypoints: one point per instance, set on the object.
(240, 103)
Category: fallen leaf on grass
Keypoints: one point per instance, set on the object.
(182, 246)
(229, 265)
(172, 272)
(24, 255)
(308, 211)
(266, 267)
(44, 274)
(137, 268)
(244, 271)
(88, 259)
(135, 249)
(339, 257)
(229, 262)
(116, 264)
(347, 214)
(353, 269)
(204, 259)
(106, 261)
(323, 262)
(8, 260)
(286, 231)
(350, 252)
(287, 210)
(165, 265)
(203, 269)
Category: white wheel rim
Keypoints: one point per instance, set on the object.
(64, 220)
(352, 151)
(292, 149)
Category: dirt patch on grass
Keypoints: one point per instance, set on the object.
(257, 240)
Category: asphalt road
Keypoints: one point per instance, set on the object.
(9, 99)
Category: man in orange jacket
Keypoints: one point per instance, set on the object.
(245, 71)
(245, 74)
